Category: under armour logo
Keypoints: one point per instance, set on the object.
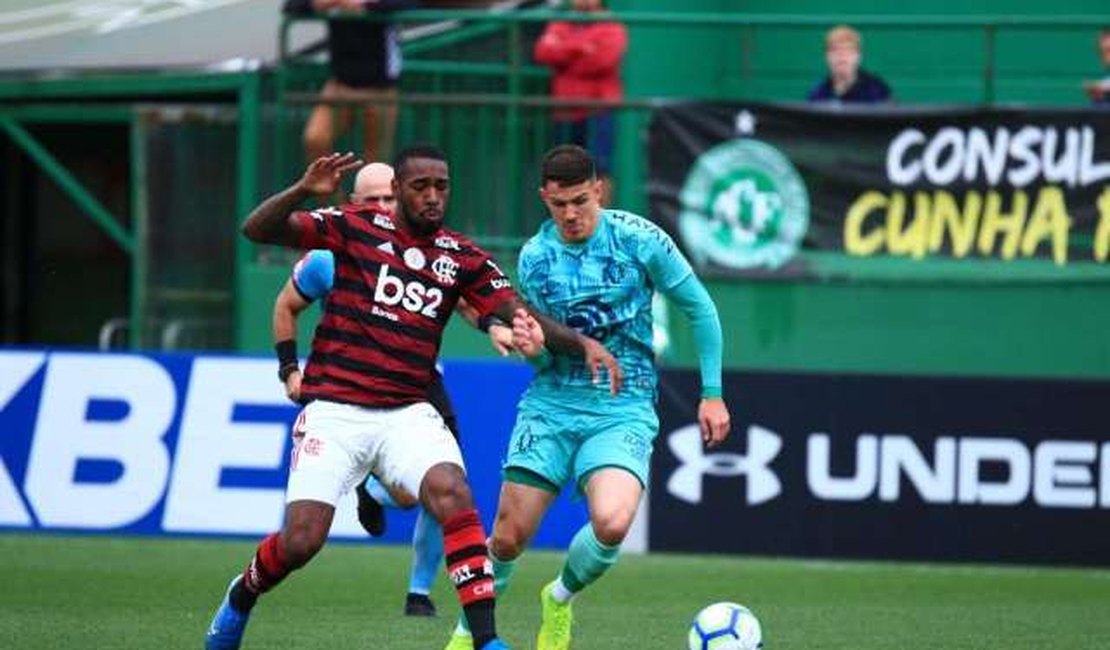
(694, 463)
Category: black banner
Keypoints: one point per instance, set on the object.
(752, 188)
(887, 468)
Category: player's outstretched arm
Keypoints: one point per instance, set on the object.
(271, 222)
(695, 303)
(533, 331)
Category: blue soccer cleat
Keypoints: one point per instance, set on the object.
(226, 630)
(496, 644)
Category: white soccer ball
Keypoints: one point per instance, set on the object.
(725, 626)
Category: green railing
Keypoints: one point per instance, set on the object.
(128, 99)
(490, 111)
(511, 105)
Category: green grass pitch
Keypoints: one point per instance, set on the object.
(101, 592)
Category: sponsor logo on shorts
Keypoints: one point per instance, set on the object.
(312, 447)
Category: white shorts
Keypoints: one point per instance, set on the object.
(335, 445)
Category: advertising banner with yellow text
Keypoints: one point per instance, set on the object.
(781, 189)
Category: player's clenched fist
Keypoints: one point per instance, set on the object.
(713, 418)
(528, 336)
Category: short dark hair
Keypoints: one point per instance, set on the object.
(419, 150)
(566, 165)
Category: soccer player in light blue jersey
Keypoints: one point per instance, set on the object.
(595, 270)
(312, 279)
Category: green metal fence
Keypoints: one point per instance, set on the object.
(474, 90)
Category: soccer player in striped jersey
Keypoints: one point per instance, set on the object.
(397, 280)
(311, 280)
(595, 270)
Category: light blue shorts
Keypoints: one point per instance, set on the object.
(566, 437)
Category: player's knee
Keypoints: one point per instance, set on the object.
(610, 528)
(506, 543)
(302, 543)
(446, 492)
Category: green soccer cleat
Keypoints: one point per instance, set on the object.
(557, 620)
(460, 641)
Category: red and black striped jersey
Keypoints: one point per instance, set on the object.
(377, 342)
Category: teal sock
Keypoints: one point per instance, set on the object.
(502, 572)
(587, 559)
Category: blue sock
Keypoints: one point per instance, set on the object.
(427, 553)
(379, 493)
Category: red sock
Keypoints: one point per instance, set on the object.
(468, 564)
(268, 567)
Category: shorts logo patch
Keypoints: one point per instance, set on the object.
(636, 446)
(525, 440)
(312, 447)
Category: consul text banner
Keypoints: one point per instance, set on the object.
(753, 188)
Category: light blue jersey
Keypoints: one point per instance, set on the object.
(603, 288)
(314, 274)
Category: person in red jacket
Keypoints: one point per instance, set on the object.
(585, 61)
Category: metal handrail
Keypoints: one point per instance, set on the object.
(718, 18)
(513, 19)
(108, 332)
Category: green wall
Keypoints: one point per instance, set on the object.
(923, 64)
(1008, 330)
(1020, 330)
(1000, 327)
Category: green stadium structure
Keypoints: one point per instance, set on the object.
(125, 184)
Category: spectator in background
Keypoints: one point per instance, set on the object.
(365, 60)
(847, 82)
(585, 61)
(1099, 91)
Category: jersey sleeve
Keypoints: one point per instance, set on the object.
(666, 265)
(694, 301)
(488, 287)
(323, 228)
(526, 272)
(314, 274)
